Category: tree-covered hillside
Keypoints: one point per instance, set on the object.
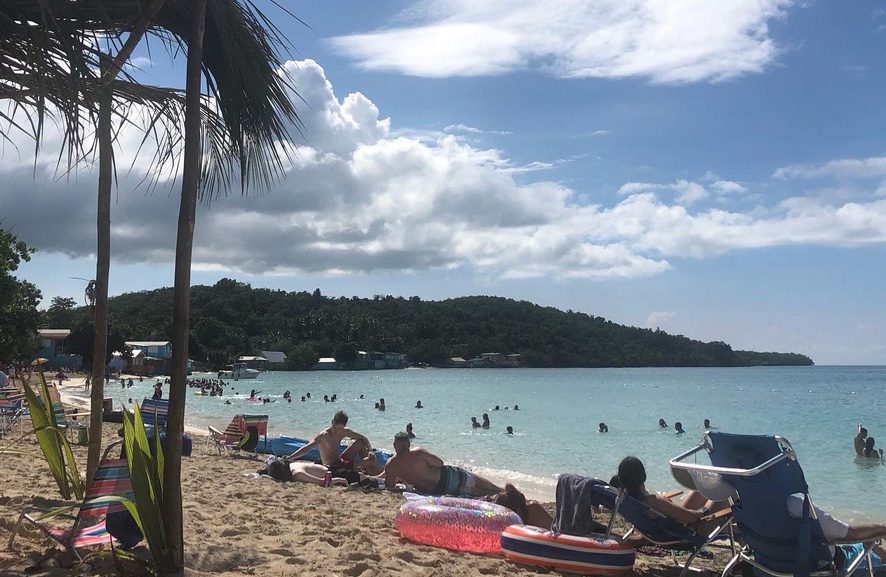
(232, 318)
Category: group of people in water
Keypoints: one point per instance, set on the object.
(864, 445)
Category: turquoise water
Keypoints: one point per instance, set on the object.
(816, 408)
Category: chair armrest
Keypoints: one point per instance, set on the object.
(214, 433)
(716, 515)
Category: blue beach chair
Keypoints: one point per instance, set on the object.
(765, 472)
(155, 413)
(660, 529)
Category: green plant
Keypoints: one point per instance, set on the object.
(53, 443)
(146, 473)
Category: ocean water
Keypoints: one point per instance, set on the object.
(816, 408)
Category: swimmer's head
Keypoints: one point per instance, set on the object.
(510, 430)
(707, 423)
(864, 432)
(869, 443)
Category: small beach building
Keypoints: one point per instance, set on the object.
(118, 362)
(326, 364)
(53, 348)
(276, 359)
(457, 362)
(155, 357)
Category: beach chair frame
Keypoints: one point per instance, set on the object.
(745, 554)
(685, 540)
(105, 492)
(12, 408)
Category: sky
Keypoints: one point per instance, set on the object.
(712, 169)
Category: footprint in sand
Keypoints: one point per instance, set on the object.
(358, 570)
(359, 556)
(409, 557)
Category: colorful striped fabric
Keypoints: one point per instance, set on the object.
(89, 528)
(155, 413)
(236, 435)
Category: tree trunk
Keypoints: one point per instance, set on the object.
(102, 273)
(172, 495)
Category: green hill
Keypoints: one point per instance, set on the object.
(232, 318)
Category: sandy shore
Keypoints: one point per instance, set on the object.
(237, 526)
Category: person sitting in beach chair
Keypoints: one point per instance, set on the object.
(328, 441)
(782, 530)
(428, 474)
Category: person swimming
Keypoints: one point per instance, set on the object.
(662, 424)
(510, 430)
(869, 451)
(516, 407)
(678, 428)
(707, 423)
(418, 405)
(381, 405)
(485, 424)
(474, 423)
(603, 428)
(496, 408)
(409, 431)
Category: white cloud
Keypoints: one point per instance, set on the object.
(659, 319)
(847, 168)
(728, 187)
(687, 192)
(600, 133)
(359, 198)
(456, 128)
(673, 41)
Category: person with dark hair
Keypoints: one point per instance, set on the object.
(510, 430)
(328, 442)
(693, 509)
(381, 405)
(474, 423)
(485, 424)
(662, 424)
(869, 451)
(531, 512)
(678, 428)
(409, 431)
(301, 471)
(860, 435)
(603, 428)
(418, 405)
(428, 474)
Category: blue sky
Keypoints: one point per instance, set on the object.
(713, 169)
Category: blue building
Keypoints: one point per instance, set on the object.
(54, 349)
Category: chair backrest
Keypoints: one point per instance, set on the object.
(58, 409)
(655, 526)
(111, 479)
(155, 412)
(779, 541)
(236, 432)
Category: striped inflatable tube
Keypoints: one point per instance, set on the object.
(585, 555)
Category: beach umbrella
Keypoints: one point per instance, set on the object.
(39, 361)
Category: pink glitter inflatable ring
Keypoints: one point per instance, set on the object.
(455, 523)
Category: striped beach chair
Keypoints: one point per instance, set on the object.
(155, 412)
(64, 420)
(241, 436)
(89, 524)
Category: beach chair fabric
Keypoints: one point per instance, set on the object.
(12, 408)
(89, 527)
(775, 542)
(242, 434)
(655, 527)
(155, 412)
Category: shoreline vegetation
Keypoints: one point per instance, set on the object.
(231, 318)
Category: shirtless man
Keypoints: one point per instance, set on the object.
(329, 440)
(427, 473)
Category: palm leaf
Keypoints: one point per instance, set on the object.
(53, 443)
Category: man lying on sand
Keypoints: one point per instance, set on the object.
(357, 455)
(428, 474)
(300, 471)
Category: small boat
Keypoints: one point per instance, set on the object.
(238, 371)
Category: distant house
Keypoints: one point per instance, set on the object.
(277, 358)
(457, 362)
(153, 358)
(326, 364)
(158, 349)
(53, 348)
(515, 360)
(494, 359)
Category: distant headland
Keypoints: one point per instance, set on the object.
(230, 319)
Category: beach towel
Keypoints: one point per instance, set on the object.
(575, 510)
